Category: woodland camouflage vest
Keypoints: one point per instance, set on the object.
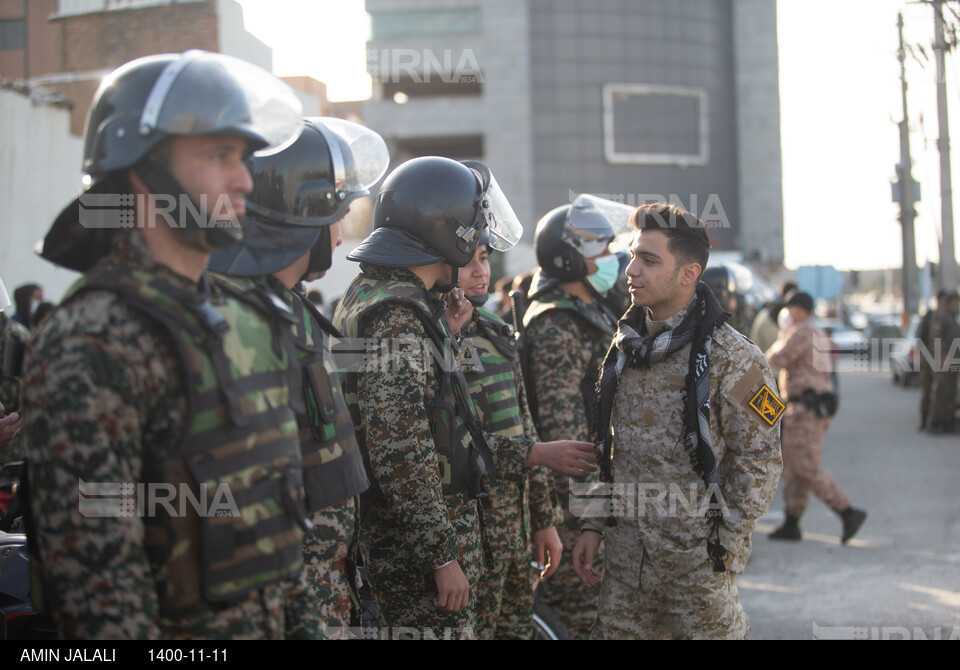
(242, 383)
(460, 464)
(332, 464)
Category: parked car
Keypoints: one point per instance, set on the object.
(846, 340)
(882, 333)
(904, 359)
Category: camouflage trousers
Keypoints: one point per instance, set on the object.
(574, 601)
(505, 600)
(329, 557)
(926, 389)
(943, 399)
(702, 605)
(412, 615)
(275, 612)
(802, 445)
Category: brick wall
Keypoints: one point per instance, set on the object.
(103, 41)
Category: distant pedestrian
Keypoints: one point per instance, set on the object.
(26, 298)
(802, 352)
(924, 354)
(945, 335)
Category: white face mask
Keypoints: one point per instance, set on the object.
(33, 306)
(784, 320)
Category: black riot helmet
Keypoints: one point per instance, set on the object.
(568, 234)
(721, 281)
(298, 191)
(135, 109)
(432, 209)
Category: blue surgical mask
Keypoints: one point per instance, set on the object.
(608, 270)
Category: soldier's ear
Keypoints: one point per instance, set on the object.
(690, 273)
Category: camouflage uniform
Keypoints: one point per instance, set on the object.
(106, 400)
(924, 347)
(658, 580)
(566, 340)
(333, 468)
(10, 387)
(409, 526)
(520, 506)
(943, 395)
(802, 352)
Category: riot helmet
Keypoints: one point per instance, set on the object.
(569, 234)
(135, 109)
(433, 209)
(298, 191)
(721, 281)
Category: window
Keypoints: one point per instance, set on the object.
(655, 125)
(13, 34)
(437, 22)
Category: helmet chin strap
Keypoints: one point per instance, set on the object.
(455, 282)
(159, 180)
(321, 254)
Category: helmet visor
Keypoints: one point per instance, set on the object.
(203, 92)
(502, 223)
(360, 156)
(594, 222)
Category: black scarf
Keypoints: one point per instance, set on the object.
(633, 346)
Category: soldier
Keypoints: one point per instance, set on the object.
(13, 338)
(924, 347)
(156, 380)
(299, 197)
(567, 328)
(802, 352)
(420, 534)
(687, 404)
(522, 508)
(945, 336)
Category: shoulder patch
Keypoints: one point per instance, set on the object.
(766, 403)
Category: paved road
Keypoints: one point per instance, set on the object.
(900, 577)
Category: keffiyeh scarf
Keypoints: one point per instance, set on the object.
(633, 346)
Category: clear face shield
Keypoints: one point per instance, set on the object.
(360, 156)
(595, 222)
(502, 223)
(203, 92)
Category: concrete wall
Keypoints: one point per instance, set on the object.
(758, 131)
(36, 144)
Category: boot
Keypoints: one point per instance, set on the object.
(852, 520)
(790, 530)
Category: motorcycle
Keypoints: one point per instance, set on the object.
(19, 620)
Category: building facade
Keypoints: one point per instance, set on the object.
(635, 100)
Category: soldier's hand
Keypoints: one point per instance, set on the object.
(453, 589)
(9, 427)
(549, 549)
(583, 555)
(568, 457)
(458, 311)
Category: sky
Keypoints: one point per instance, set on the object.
(840, 105)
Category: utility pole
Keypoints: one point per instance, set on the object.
(948, 261)
(906, 194)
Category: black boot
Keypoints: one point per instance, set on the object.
(790, 530)
(852, 520)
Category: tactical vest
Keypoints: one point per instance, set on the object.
(596, 316)
(239, 444)
(494, 385)
(333, 469)
(455, 429)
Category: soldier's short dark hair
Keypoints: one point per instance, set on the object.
(687, 237)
